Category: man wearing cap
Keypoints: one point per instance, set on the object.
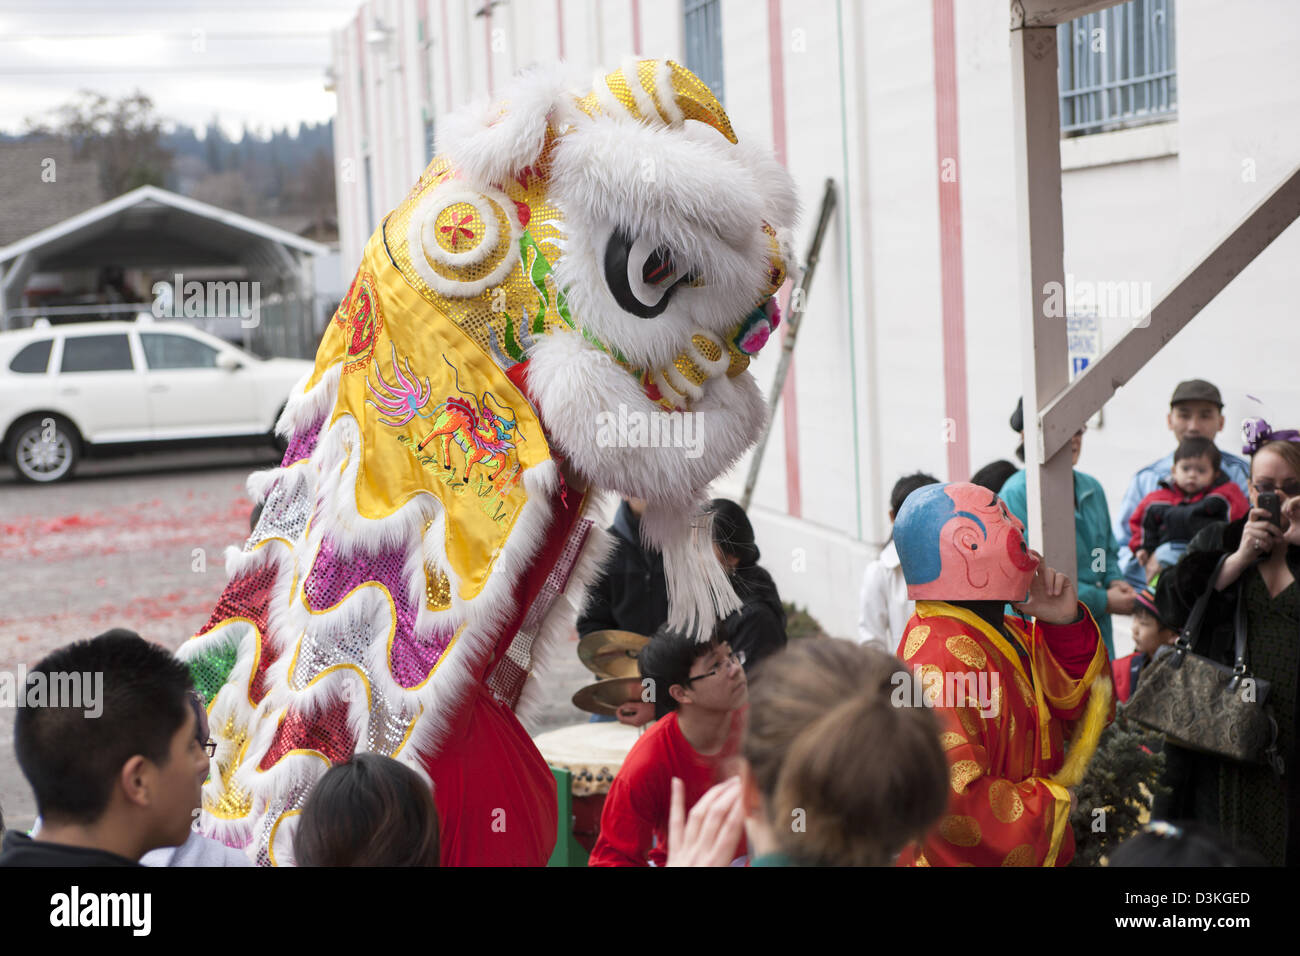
(1195, 411)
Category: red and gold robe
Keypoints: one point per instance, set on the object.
(1009, 803)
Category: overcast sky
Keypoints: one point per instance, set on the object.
(260, 62)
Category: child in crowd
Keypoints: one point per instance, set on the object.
(1150, 633)
(370, 811)
(833, 772)
(884, 607)
(1195, 494)
(699, 691)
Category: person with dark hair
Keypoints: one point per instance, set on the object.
(1251, 565)
(1182, 844)
(112, 785)
(1194, 495)
(758, 628)
(1195, 411)
(1100, 584)
(883, 604)
(828, 745)
(699, 690)
(370, 811)
(994, 475)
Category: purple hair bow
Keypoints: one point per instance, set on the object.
(1256, 433)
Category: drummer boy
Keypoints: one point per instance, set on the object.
(699, 692)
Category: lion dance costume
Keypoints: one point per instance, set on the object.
(564, 261)
(1007, 701)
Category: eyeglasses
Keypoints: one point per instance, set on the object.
(1289, 488)
(735, 657)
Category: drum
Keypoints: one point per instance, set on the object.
(593, 755)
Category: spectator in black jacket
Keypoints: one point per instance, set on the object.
(631, 594)
(758, 628)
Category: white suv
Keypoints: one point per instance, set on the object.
(115, 386)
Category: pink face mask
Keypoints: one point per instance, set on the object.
(958, 542)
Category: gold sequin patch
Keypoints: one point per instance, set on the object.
(739, 363)
(915, 638)
(690, 371)
(960, 831)
(969, 722)
(949, 740)
(921, 860)
(1022, 855)
(708, 348)
(1005, 802)
(437, 591)
(962, 773)
(967, 651)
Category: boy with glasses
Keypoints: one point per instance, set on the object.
(699, 692)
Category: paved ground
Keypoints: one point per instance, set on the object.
(135, 543)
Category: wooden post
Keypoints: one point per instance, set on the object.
(1043, 352)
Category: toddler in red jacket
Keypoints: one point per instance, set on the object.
(1195, 494)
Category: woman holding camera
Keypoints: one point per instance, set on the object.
(1250, 803)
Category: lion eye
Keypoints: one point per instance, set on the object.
(642, 277)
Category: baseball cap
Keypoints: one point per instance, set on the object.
(1146, 599)
(1196, 390)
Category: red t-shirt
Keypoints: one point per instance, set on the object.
(634, 824)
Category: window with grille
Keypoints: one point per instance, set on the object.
(704, 42)
(1116, 68)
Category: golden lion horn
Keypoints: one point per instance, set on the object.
(659, 92)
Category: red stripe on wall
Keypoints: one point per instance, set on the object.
(559, 25)
(636, 27)
(789, 401)
(950, 260)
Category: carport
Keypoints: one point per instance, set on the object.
(168, 236)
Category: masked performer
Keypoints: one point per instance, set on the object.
(1009, 693)
(568, 267)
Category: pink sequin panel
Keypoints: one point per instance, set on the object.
(331, 580)
(302, 444)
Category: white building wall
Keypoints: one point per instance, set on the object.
(860, 109)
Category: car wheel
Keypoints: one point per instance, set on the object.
(43, 449)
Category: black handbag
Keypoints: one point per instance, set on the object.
(1202, 705)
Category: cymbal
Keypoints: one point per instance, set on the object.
(611, 653)
(605, 697)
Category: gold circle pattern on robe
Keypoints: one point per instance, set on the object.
(962, 773)
(950, 740)
(915, 638)
(1022, 855)
(967, 651)
(960, 831)
(1005, 802)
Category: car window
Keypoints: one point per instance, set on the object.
(163, 351)
(32, 359)
(96, 353)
